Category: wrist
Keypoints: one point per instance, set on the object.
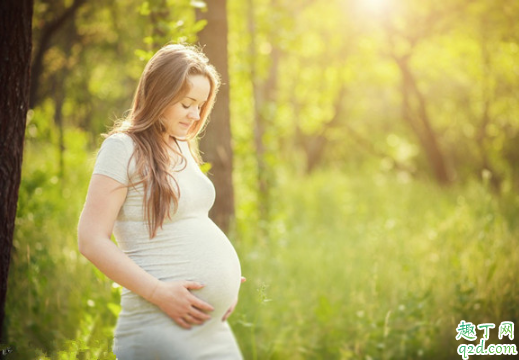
(153, 291)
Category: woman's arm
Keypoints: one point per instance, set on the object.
(104, 200)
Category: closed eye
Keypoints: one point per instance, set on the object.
(187, 107)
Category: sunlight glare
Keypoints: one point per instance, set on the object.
(376, 6)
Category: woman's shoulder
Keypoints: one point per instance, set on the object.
(113, 158)
(120, 137)
(121, 141)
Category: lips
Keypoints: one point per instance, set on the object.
(185, 124)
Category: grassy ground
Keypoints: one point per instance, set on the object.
(370, 267)
(357, 265)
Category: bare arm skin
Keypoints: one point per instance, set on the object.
(104, 200)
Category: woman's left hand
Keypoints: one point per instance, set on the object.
(231, 309)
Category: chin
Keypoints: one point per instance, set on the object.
(179, 134)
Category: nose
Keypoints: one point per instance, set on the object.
(194, 114)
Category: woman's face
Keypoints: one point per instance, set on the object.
(181, 116)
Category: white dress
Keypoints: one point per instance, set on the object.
(189, 247)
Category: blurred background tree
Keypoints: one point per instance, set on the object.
(216, 143)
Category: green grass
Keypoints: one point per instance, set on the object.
(357, 265)
(56, 300)
(370, 267)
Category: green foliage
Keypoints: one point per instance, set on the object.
(459, 53)
(360, 264)
(372, 266)
(54, 295)
(97, 58)
(367, 261)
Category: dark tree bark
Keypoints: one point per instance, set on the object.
(15, 47)
(216, 142)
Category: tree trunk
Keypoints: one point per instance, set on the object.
(314, 146)
(15, 47)
(59, 100)
(216, 142)
(49, 30)
(59, 91)
(486, 120)
(264, 93)
(422, 129)
(259, 124)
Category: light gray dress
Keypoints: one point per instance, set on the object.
(189, 247)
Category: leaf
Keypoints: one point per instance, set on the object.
(205, 167)
(144, 9)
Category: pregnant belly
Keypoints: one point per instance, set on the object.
(215, 265)
(193, 249)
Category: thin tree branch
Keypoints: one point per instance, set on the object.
(48, 32)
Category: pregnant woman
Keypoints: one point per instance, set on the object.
(179, 272)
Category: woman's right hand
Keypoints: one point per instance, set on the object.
(175, 299)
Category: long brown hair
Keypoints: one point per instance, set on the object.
(164, 81)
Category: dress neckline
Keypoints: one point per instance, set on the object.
(178, 145)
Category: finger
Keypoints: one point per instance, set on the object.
(202, 305)
(199, 314)
(193, 285)
(193, 320)
(226, 315)
(243, 279)
(229, 312)
(182, 323)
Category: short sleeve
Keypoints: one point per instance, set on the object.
(114, 156)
